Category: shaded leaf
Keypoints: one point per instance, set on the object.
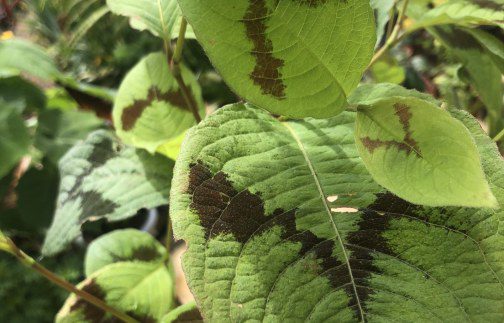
(100, 178)
(18, 56)
(142, 290)
(184, 313)
(382, 16)
(296, 58)
(150, 109)
(16, 89)
(284, 223)
(123, 245)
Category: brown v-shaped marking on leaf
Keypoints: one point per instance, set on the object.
(409, 145)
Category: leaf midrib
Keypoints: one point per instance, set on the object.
(328, 211)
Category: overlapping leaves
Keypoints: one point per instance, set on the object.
(284, 223)
(294, 58)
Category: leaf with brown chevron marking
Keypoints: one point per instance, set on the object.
(295, 58)
(284, 224)
(150, 110)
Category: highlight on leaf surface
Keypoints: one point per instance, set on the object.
(101, 178)
(284, 223)
(294, 58)
(421, 154)
(150, 109)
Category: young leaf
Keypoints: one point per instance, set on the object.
(294, 58)
(284, 224)
(123, 245)
(143, 290)
(150, 109)
(421, 154)
(100, 178)
(160, 17)
(184, 313)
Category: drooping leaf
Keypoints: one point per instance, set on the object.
(15, 139)
(421, 154)
(479, 67)
(284, 224)
(100, 178)
(123, 245)
(464, 13)
(295, 58)
(382, 15)
(58, 131)
(18, 56)
(142, 290)
(188, 313)
(160, 17)
(150, 109)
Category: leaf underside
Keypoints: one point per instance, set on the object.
(285, 224)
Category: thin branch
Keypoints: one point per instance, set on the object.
(499, 137)
(177, 73)
(52, 277)
(394, 37)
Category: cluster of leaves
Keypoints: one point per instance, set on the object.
(332, 193)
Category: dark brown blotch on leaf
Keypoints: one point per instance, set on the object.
(408, 144)
(91, 312)
(457, 38)
(489, 4)
(93, 204)
(175, 98)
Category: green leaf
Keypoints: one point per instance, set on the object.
(15, 139)
(160, 17)
(18, 56)
(387, 70)
(184, 313)
(58, 131)
(479, 66)
(123, 245)
(421, 154)
(294, 58)
(150, 109)
(493, 45)
(464, 13)
(284, 224)
(100, 178)
(143, 290)
(16, 89)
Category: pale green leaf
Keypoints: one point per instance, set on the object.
(464, 13)
(387, 70)
(18, 56)
(160, 17)
(123, 245)
(382, 15)
(171, 149)
(293, 58)
(150, 109)
(143, 290)
(284, 224)
(101, 178)
(184, 313)
(421, 154)
(15, 139)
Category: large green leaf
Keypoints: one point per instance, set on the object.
(143, 290)
(421, 154)
(160, 17)
(150, 109)
(14, 136)
(481, 66)
(462, 12)
(284, 224)
(294, 58)
(123, 245)
(18, 56)
(100, 178)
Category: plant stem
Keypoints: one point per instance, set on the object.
(499, 137)
(394, 37)
(175, 60)
(52, 277)
(169, 235)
